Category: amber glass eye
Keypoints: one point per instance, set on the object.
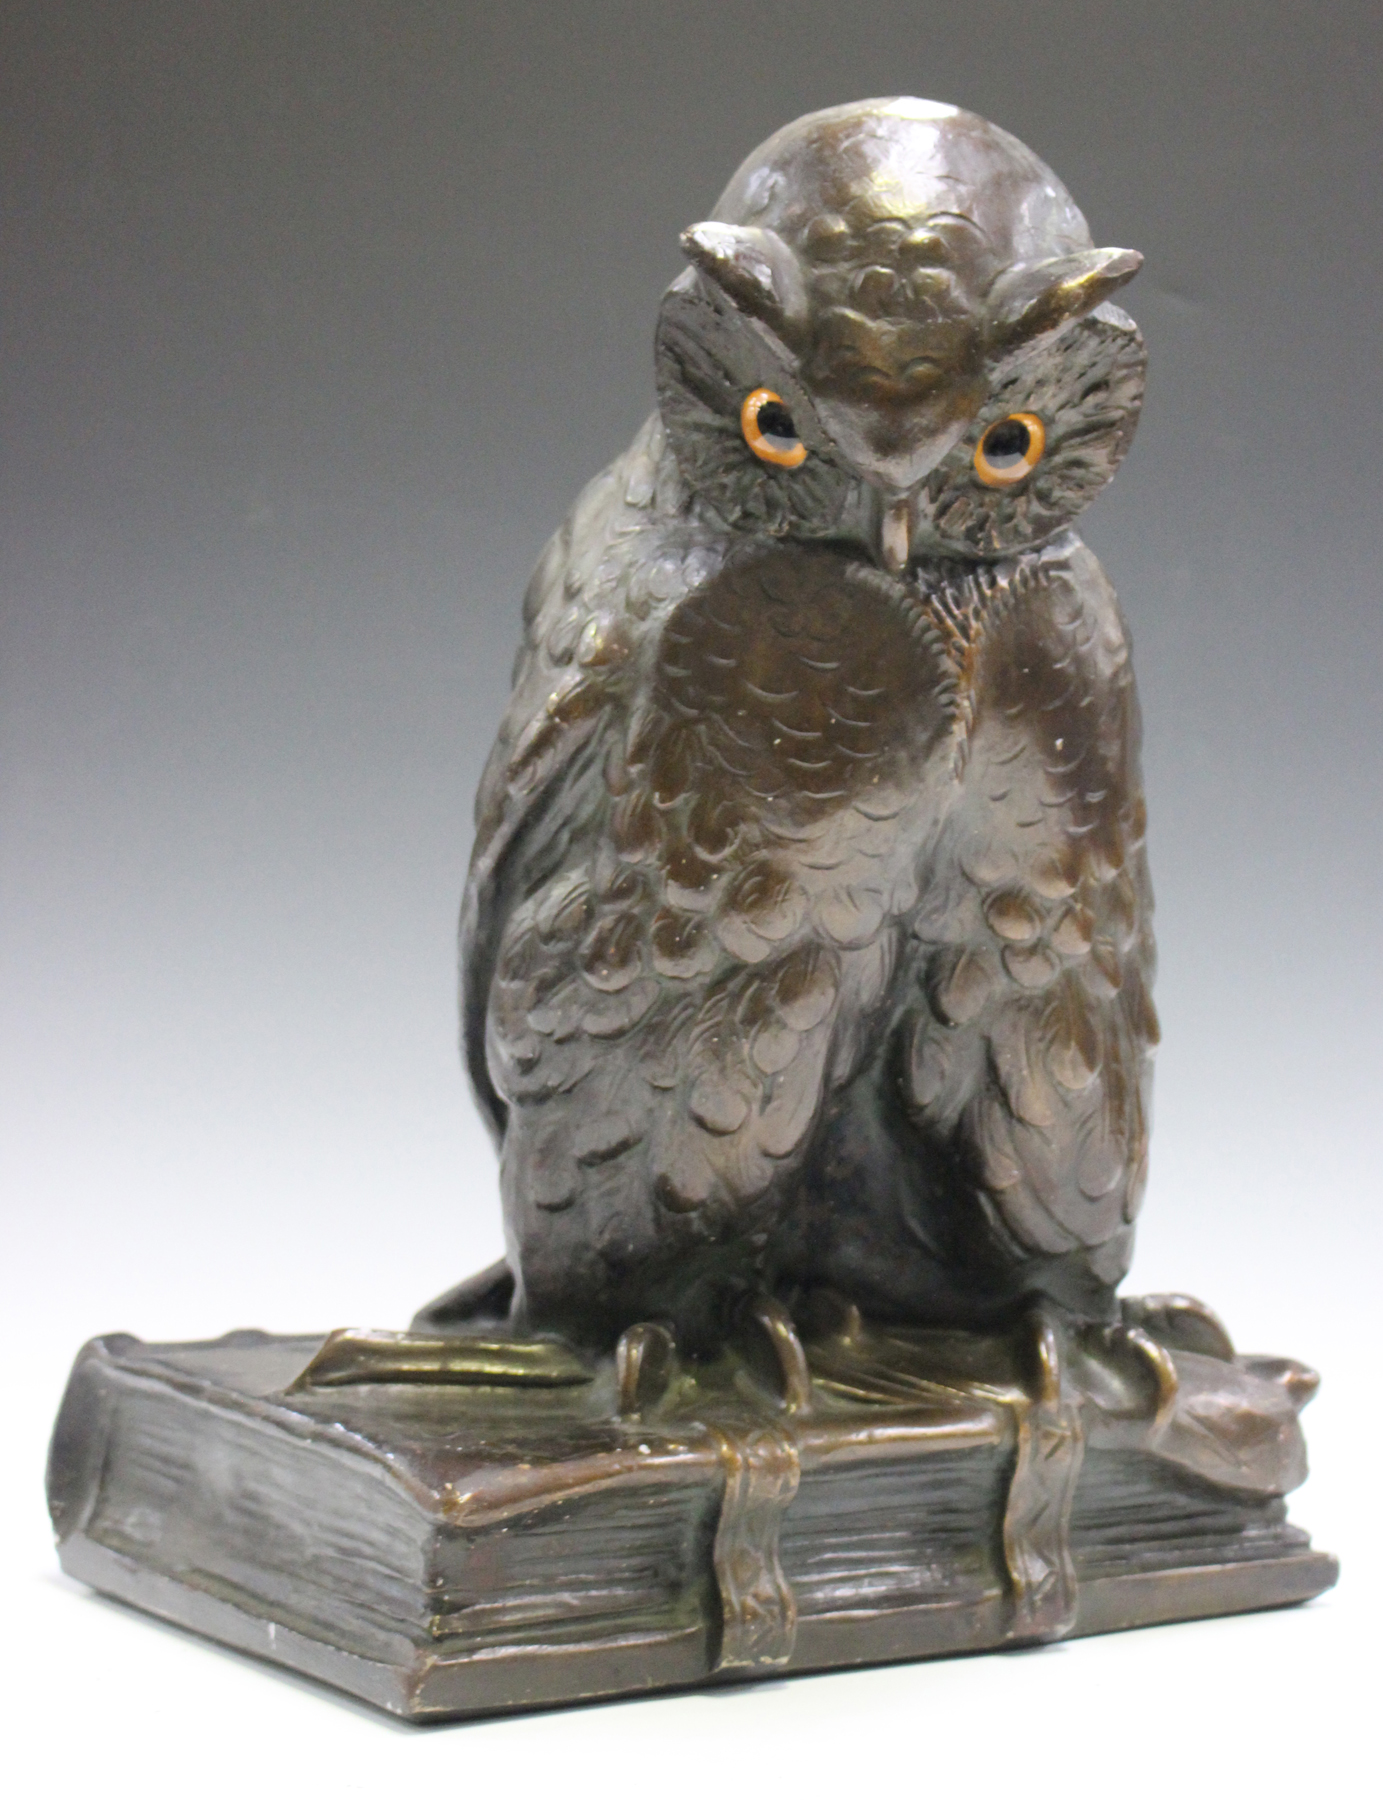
(769, 431)
(1010, 449)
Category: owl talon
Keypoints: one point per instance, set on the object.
(1179, 1323)
(645, 1366)
(1156, 1360)
(1082, 1359)
(1123, 1371)
(1048, 1350)
(773, 1348)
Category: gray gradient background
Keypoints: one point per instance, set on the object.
(315, 317)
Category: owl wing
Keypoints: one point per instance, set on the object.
(542, 777)
(1031, 1058)
(719, 927)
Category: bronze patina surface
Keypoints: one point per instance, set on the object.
(807, 961)
(503, 1531)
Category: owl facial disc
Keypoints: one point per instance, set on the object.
(917, 293)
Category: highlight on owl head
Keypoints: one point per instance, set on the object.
(896, 332)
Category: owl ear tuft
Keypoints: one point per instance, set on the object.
(758, 271)
(1027, 303)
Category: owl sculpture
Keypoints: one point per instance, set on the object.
(806, 941)
(806, 959)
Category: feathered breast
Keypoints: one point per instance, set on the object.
(794, 684)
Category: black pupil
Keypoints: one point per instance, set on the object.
(1007, 442)
(775, 421)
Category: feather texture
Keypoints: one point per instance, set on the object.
(1031, 1053)
(748, 799)
(806, 938)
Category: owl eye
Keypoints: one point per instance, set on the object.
(769, 431)
(1010, 449)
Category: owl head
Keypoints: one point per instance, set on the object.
(895, 333)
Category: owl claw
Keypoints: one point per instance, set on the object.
(1049, 1353)
(768, 1327)
(1179, 1323)
(645, 1366)
(1083, 1358)
(1156, 1360)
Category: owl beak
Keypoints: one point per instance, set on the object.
(895, 534)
